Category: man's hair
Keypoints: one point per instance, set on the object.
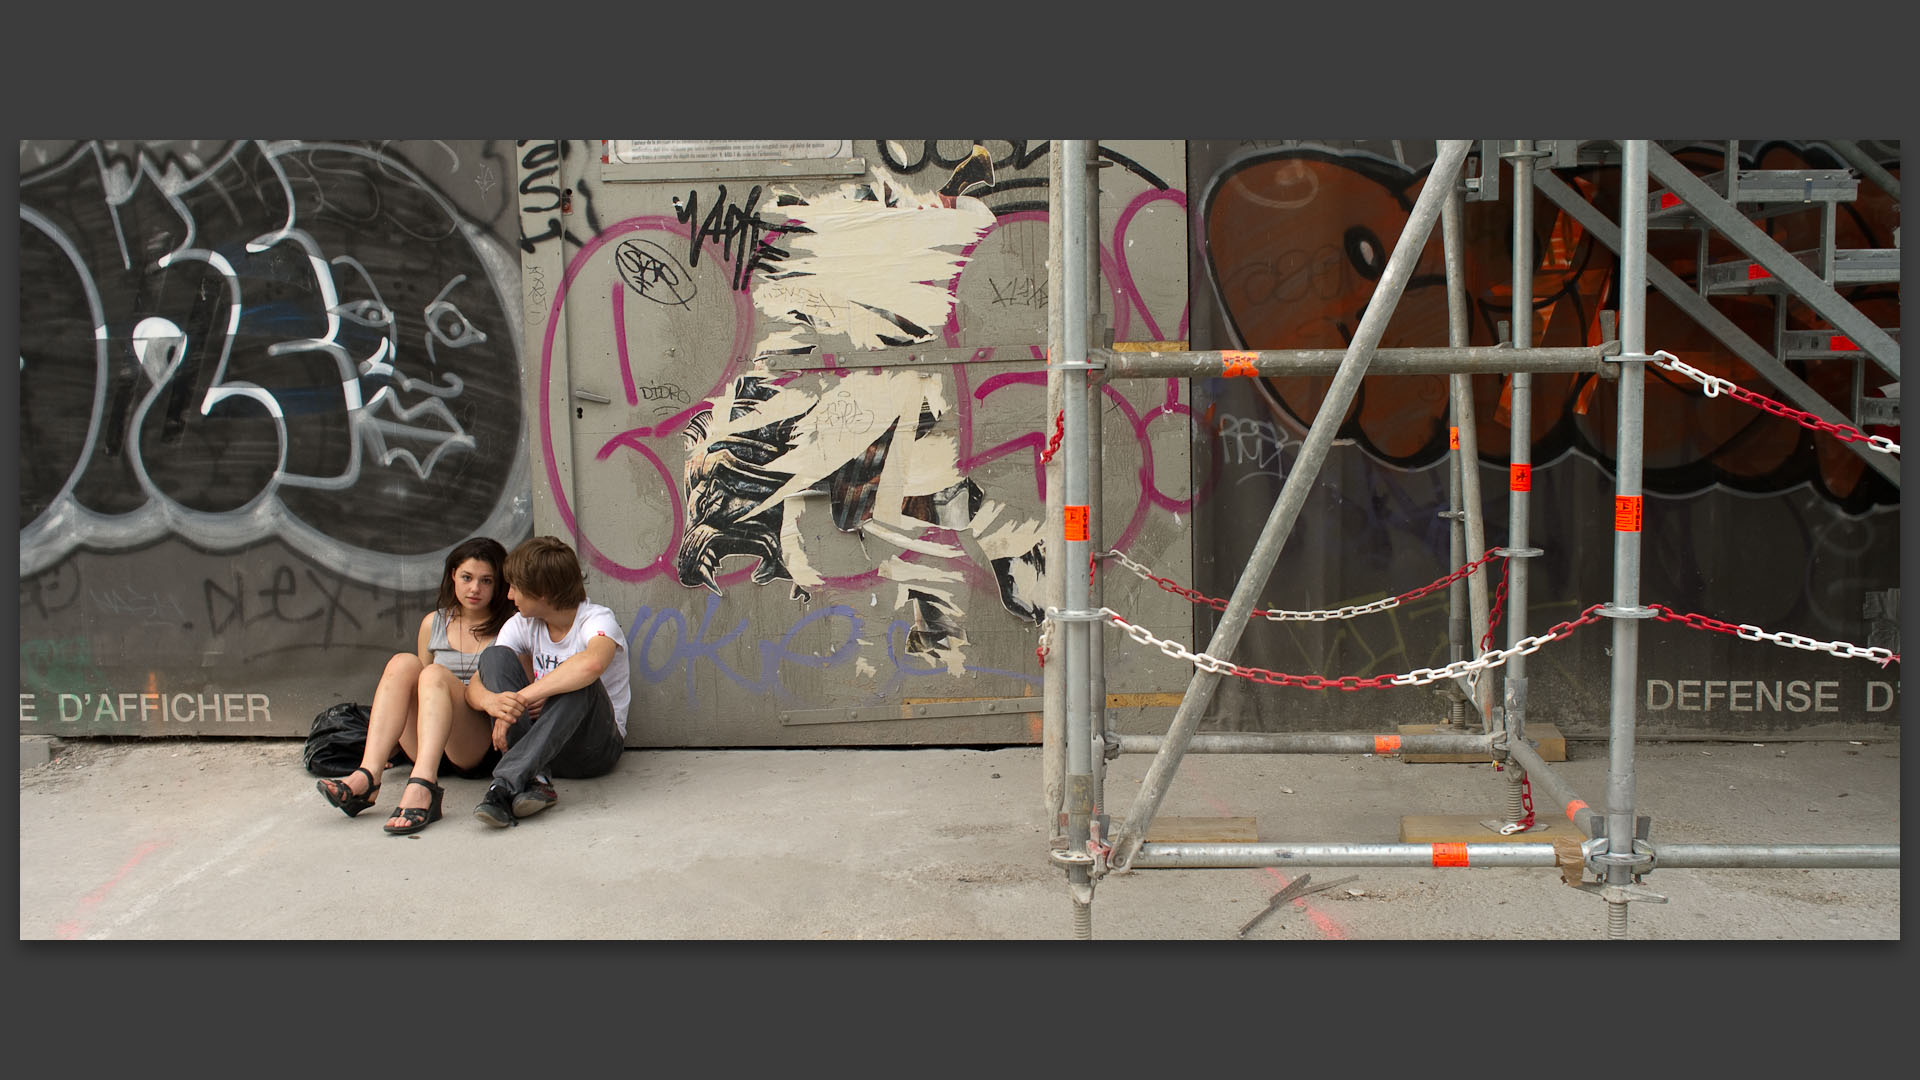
(545, 568)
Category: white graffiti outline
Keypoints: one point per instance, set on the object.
(66, 525)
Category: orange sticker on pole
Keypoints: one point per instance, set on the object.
(1386, 744)
(1626, 513)
(1453, 438)
(1240, 363)
(1449, 854)
(1076, 523)
(1573, 810)
(1519, 477)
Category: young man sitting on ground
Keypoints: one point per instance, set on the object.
(555, 682)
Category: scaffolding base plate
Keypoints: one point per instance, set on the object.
(1201, 830)
(1552, 745)
(1473, 829)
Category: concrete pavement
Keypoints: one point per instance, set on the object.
(227, 839)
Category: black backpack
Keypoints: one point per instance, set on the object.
(339, 739)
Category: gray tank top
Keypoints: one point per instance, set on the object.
(460, 663)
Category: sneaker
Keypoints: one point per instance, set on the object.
(495, 808)
(538, 796)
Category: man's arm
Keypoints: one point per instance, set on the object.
(504, 705)
(576, 671)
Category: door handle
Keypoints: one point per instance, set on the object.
(588, 395)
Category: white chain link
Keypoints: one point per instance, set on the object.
(1278, 615)
(1749, 632)
(1714, 386)
(1416, 677)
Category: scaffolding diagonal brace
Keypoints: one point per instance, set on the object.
(1293, 493)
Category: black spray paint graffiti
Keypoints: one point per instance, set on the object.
(975, 169)
(752, 459)
(654, 273)
(745, 238)
(299, 341)
(539, 166)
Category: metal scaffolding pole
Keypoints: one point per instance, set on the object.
(1096, 488)
(1777, 856)
(1520, 469)
(1851, 153)
(1072, 362)
(1620, 861)
(1053, 707)
(1293, 495)
(1462, 360)
(1253, 742)
(1466, 447)
(1571, 805)
(1222, 856)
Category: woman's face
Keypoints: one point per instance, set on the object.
(473, 585)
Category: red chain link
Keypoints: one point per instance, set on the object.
(1059, 432)
(1526, 803)
(1381, 682)
(1694, 620)
(1493, 619)
(1844, 432)
(1218, 604)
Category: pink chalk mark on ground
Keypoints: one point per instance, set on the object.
(70, 929)
(1321, 921)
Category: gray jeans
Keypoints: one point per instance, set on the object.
(574, 737)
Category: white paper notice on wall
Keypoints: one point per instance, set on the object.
(692, 159)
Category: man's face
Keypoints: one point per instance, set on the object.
(530, 605)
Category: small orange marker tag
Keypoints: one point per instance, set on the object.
(1573, 810)
(1076, 523)
(1449, 854)
(1626, 513)
(1240, 363)
(1519, 477)
(1386, 744)
(1453, 438)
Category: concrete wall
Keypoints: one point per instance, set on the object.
(264, 387)
(791, 407)
(319, 365)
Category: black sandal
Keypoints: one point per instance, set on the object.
(342, 796)
(417, 817)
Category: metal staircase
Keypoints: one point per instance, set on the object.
(1729, 203)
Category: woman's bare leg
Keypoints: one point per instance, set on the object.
(443, 724)
(391, 714)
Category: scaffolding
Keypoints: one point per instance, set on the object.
(1618, 852)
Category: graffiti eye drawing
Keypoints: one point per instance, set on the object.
(369, 313)
(1365, 252)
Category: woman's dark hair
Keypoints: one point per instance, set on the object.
(488, 551)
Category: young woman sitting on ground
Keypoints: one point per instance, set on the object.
(421, 705)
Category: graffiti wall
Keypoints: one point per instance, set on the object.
(789, 402)
(1750, 518)
(265, 386)
(791, 407)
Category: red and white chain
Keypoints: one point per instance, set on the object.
(1749, 632)
(1279, 615)
(1714, 386)
(1416, 677)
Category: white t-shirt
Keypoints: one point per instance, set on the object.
(529, 637)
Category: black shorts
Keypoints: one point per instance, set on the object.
(480, 770)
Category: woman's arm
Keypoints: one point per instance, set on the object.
(423, 641)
